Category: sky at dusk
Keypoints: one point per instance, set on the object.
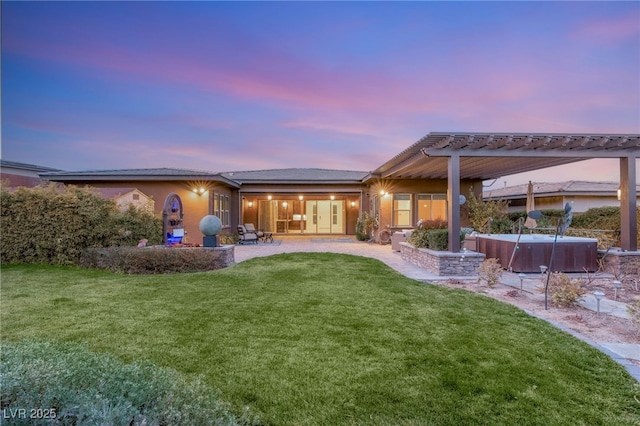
(229, 86)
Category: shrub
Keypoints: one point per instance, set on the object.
(432, 224)
(54, 224)
(419, 238)
(490, 271)
(502, 226)
(563, 290)
(438, 239)
(76, 386)
(481, 211)
(153, 260)
(606, 239)
(434, 239)
(228, 239)
(364, 226)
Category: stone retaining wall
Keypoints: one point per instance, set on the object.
(443, 263)
(625, 262)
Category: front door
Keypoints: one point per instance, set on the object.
(327, 217)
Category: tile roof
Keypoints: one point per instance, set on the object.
(296, 175)
(157, 174)
(133, 172)
(571, 187)
(25, 166)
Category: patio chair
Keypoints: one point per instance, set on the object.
(264, 236)
(245, 236)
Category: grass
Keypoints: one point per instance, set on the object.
(329, 339)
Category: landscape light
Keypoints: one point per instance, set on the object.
(616, 285)
(522, 277)
(599, 295)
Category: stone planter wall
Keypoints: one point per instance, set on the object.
(226, 253)
(627, 262)
(443, 263)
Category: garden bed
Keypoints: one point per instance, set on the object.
(158, 259)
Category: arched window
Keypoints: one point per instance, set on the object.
(172, 217)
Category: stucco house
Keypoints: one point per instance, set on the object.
(125, 197)
(14, 174)
(428, 180)
(581, 195)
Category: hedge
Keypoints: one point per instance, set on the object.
(66, 384)
(55, 224)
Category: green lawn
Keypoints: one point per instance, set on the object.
(329, 339)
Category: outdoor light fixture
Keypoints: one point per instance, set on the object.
(199, 191)
(619, 194)
(599, 295)
(284, 204)
(522, 277)
(353, 204)
(300, 197)
(333, 197)
(383, 192)
(269, 197)
(616, 285)
(561, 227)
(543, 269)
(250, 204)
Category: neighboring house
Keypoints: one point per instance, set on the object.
(125, 197)
(16, 174)
(580, 195)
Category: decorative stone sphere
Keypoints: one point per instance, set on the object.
(210, 225)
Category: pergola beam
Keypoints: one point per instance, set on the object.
(523, 151)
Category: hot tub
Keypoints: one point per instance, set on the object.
(572, 254)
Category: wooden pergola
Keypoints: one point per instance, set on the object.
(456, 156)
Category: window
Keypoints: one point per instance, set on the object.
(432, 206)
(220, 207)
(401, 210)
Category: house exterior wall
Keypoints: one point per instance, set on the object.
(382, 205)
(580, 203)
(251, 196)
(195, 206)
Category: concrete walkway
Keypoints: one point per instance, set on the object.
(621, 352)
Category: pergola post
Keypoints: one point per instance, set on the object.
(628, 197)
(453, 203)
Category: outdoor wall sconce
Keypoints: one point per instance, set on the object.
(250, 204)
(300, 197)
(284, 204)
(353, 204)
(199, 191)
(333, 197)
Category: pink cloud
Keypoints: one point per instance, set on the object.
(611, 30)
